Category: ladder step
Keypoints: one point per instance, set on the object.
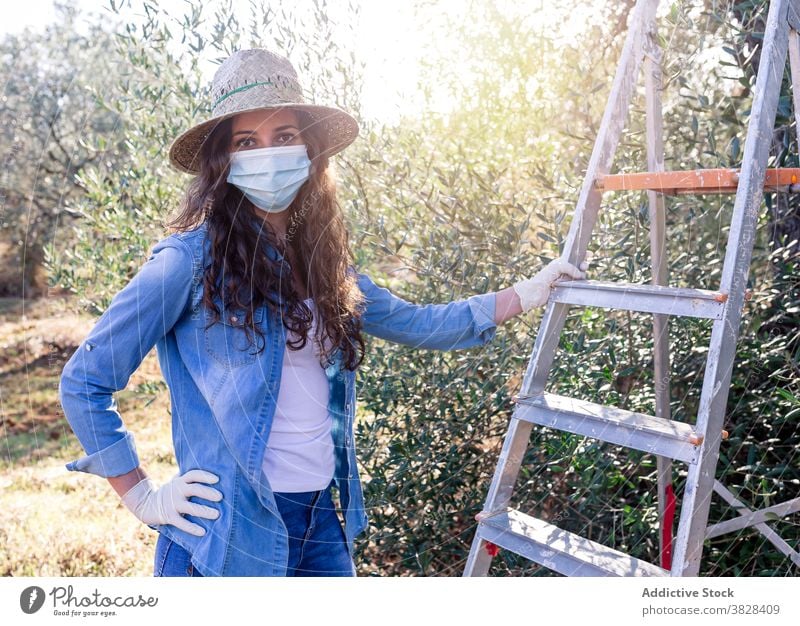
(640, 297)
(696, 181)
(664, 437)
(558, 549)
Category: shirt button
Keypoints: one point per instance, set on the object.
(89, 346)
(347, 440)
(234, 318)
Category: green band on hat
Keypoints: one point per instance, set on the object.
(242, 88)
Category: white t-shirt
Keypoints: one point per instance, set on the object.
(299, 455)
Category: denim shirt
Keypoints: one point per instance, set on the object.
(222, 397)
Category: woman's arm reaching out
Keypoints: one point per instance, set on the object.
(458, 324)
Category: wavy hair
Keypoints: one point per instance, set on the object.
(241, 273)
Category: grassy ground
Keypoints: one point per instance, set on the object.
(54, 522)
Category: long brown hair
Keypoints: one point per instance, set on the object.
(316, 233)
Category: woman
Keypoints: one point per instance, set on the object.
(256, 312)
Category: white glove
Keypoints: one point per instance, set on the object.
(166, 504)
(534, 291)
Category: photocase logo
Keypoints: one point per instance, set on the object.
(31, 599)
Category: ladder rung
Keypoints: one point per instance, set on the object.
(664, 437)
(695, 181)
(558, 549)
(681, 301)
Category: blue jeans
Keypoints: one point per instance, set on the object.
(317, 545)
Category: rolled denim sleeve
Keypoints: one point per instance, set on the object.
(455, 325)
(138, 316)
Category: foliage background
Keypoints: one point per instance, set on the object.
(440, 205)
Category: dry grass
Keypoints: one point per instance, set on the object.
(54, 522)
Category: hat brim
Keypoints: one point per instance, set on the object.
(340, 130)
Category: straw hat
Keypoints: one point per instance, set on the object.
(258, 79)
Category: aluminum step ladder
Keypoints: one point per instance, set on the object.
(696, 445)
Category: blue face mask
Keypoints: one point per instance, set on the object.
(270, 177)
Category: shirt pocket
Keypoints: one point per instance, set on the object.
(227, 340)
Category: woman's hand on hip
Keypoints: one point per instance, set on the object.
(168, 503)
